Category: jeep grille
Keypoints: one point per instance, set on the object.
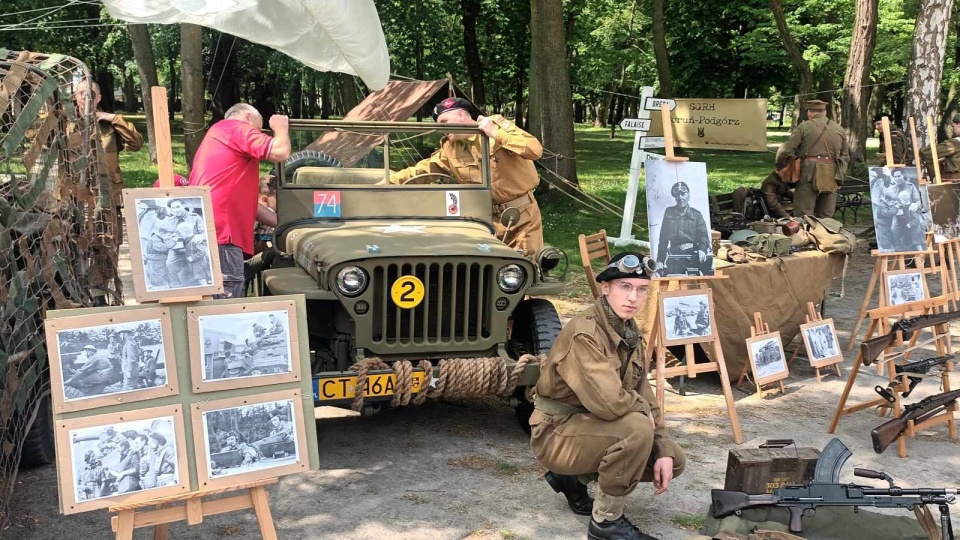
(455, 308)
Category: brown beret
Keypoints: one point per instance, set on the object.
(452, 104)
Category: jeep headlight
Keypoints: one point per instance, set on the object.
(510, 278)
(351, 280)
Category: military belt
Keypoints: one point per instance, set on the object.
(519, 202)
(554, 407)
(819, 158)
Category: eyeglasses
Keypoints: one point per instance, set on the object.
(626, 289)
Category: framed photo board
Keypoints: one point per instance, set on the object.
(901, 209)
(172, 242)
(945, 210)
(902, 286)
(249, 438)
(678, 217)
(109, 358)
(243, 345)
(687, 316)
(820, 340)
(767, 359)
(121, 458)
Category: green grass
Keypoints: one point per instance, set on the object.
(688, 522)
(603, 167)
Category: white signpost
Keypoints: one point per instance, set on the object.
(640, 127)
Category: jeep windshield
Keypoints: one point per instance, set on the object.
(352, 155)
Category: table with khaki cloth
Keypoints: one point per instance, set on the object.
(779, 288)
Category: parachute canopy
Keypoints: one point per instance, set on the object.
(327, 35)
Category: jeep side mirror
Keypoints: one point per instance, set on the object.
(510, 217)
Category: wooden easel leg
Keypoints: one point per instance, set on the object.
(661, 376)
(866, 303)
(261, 506)
(727, 393)
(837, 368)
(902, 446)
(125, 525)
(160, 531)
(817, 372)
(846, 393)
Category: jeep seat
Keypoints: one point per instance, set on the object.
(325, 176)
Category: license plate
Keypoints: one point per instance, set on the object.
(382, 384)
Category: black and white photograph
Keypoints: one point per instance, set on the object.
(687, 317)
(901, 210)
(822, 342)
(249, 438)
(111, 357)
(245, 344)
(945, 210)
(678, 214)
(123, 458)
(175, 248)
(905, 286)
(766, 354)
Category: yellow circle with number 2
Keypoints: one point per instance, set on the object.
(407, 292)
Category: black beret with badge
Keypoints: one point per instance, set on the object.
(452, 104)
(628, 264)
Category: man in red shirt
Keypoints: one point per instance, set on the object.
(227, 161)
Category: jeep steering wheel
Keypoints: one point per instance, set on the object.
(451, 179)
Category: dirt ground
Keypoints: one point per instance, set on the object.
(464, 471)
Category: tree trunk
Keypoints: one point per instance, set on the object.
(856, 95)
(799, 62)
(147, 69)
(105, 79)
(518, 96)
(326, 99)
(130, 101)
(556, 98)
(172, 93)
(471, 11)
(191, 57)
(660, 50)
(926, 65)
(348, 92)
(953, 99)
(534, 125)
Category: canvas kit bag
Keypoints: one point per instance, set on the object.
(771, 244)
(829, 235)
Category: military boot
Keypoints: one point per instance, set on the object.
(609, 523)
(576, 493)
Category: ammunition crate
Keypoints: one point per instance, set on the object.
(772, 465)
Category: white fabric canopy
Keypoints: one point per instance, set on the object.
(328, 35)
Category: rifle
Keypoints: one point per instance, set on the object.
(889, 431)
(806, 498)
(871, 349)
(913, 372)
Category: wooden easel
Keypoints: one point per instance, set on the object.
(760, 328)
(879, 317)
(193, 510)
(886, 262)
(689, 368)
(813, 315)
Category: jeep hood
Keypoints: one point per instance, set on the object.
(331, 243)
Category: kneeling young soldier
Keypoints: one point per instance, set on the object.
(596, 414)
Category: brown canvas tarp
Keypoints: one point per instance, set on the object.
(396, 102)
(778, 288)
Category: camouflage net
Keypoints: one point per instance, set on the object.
(57, 247)
(460, 378)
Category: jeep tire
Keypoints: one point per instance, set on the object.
(535, 328)
(39, 447)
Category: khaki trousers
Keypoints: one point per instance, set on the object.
(525, 236)
(619, 451)
(807, 201)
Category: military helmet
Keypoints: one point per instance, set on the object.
(234, 364)
(89, 348)
(742, 237)
(675, 190)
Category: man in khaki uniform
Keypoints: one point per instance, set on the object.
(116, 134)
(595, 412)
(898, 142)
(822, 146)
(512, 173)
(773, 188)
(948, 154)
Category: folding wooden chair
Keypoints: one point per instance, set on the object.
(592, 247)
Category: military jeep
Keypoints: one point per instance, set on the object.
(401, 272)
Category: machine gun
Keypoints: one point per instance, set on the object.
(892, 429)
(914, 372)
(804, 499)
(871, 349)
